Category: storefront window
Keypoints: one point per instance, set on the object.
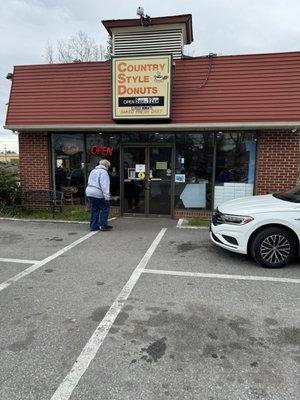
(76, 154)
(193, 170)
(69, 160)
(235, 166)
(106, 145)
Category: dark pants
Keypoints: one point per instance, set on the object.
(99, 213)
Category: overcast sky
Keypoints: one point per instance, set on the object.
(220, 26)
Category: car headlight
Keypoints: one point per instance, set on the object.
(236, 219)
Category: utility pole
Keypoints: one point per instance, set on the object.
(5, 154)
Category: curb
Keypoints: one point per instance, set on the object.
(51, 221)
(183, 224)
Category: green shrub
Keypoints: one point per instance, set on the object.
(9, 187)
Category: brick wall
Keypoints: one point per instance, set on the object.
(277, 161)
(34, 161)
(114, 212)
(205, 214)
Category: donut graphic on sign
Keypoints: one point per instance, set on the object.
(158, 77)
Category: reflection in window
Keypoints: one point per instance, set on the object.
(148, 137)
(235, 166)
(105, 146)
(193, 170)
(69, 166)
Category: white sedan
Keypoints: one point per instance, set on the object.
(266, 227)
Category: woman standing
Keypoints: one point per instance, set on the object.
(98, 194)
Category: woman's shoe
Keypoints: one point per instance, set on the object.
(107, 228)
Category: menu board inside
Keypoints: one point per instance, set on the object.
(141, 87)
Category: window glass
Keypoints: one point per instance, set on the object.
(105, 146)
(193, 170)
(158, 137)
(135, 137)
(235, 166)
(134, 185)
(148, 137)
(292, 195)
(69, 166)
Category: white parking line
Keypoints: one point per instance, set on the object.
(222, 276)
(88, 353)
(16, 260)
(39, 264)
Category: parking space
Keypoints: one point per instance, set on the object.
(191, 250)
(35, 241)
(183, 339)
(93, 323)
(9, 269)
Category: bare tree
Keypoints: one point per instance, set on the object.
(78, 48)
(49, 53)
(108, 53)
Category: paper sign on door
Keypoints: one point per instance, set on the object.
(140, 168)
(162, 165)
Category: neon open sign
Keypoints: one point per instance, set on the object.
(101, 150)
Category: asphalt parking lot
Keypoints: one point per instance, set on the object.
(147, 311)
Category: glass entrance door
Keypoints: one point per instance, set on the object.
(134, 182)
(160, 178)
(147, 179)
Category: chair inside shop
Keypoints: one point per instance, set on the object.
(69, 197)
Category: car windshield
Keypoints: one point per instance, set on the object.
(292, 195)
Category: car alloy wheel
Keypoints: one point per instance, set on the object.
(275, 249)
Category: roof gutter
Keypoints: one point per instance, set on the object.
(294, 126)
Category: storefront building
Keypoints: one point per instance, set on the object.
(183, 134)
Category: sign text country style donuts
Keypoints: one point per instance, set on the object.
(141, 87)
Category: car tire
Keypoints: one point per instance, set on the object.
(273, 247)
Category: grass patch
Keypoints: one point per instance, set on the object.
(198, 222)
(77, 213)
